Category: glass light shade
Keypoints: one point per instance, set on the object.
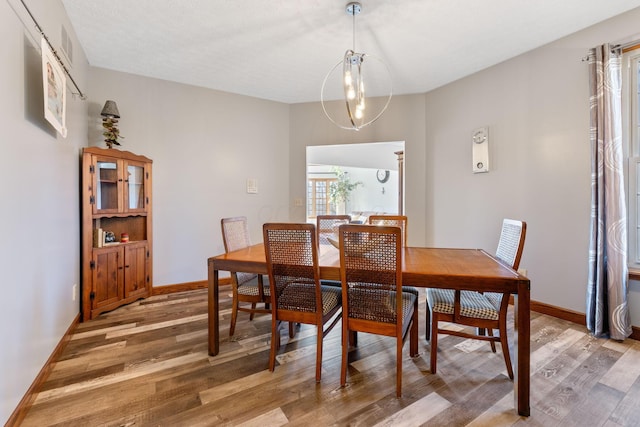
(351, 83)
(347, 81)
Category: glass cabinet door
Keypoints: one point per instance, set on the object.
(106, 196)
(134, 187)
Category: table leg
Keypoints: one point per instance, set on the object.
(214, 341)
(522, 328)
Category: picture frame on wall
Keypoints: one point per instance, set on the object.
(55, 89)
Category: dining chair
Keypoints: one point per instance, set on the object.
(485, 311)
(327, 227)
(373, 300)
(395, 220)
(246, 287)
(296, 293)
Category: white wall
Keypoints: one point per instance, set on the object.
(403, 121)
(537, 109)
(204, 145)
(369, 195)
(39, 171)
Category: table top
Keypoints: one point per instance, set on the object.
(472, 269)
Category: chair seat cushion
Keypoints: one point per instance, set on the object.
(331, 297)
(299, 297)
(250, 285)
(379, 304)
(472, 304)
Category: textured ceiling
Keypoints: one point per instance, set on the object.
(281, 50)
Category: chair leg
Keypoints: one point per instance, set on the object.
(234, 317)
(353, 338)
(493, 343)
(434, 343)
(346, 334)
(275, 344)
(292, 329)
(319, 354)
(253, 307)
(413, 338)
(399, 366)
(504, 341)
(427, 323)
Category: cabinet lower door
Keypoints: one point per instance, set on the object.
(135, 270)
(107, 279)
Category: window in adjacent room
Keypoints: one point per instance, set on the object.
(318, 197)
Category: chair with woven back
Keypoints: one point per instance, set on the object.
(247, 287)
(394, 220)
(373, 299)
(485, 311)
(327, 227)
(296, 293)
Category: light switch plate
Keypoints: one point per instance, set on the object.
(252, 186)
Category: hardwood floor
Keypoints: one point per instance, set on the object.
(147, 364)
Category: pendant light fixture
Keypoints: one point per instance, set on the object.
(360, 111)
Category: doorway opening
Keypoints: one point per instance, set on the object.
(373, 174)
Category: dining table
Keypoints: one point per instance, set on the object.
(449, 268)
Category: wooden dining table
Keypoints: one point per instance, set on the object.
(465, 269)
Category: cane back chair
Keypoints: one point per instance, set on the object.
(373, 299)
(327, 227)
(296, 294)
(393, 220)
(246, 287)
(484, 311)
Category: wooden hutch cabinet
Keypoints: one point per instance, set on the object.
(116, 202)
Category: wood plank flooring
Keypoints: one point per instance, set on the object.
(146, 364)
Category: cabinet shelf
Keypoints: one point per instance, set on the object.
(110, 245)
(119, 215)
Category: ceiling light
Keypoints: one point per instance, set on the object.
(360, 111)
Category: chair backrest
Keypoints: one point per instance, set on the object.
(235, 236)
(292, 261)
(235, 233)
(371, 268)
(511, 242)
(327, 226)
(394, 220)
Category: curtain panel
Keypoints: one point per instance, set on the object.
(607, 289)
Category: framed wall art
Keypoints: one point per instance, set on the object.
(55, 89)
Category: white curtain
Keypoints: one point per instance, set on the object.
(607, 311)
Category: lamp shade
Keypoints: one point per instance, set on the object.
(110, 109)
